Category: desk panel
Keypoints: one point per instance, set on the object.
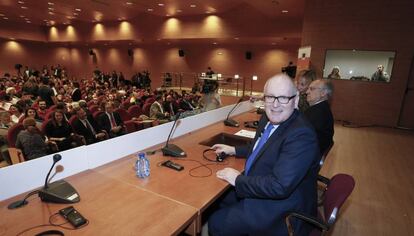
(112, 207)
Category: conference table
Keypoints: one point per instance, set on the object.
(114, 200)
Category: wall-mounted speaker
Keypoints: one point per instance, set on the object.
(130, 52)
(91, 52)
(248, 55)
(181, 53)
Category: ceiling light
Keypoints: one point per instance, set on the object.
(236, 76)
(193, 5)
(285, 11)
(254, 77)
(215, 43)
(22, 16)
(1, 14)
(23, 7)
(20, 2)
(179, 10)
(5, 18)
(220, 53)
(208, 12)
(52, 22)
(236, 38)
(50, 3)
(161, 4)
(128, 3)
(150, 9)
(51, 8)
(51, 13)
(78, 9)
(75, 13)
(28, 22)
(167, 15)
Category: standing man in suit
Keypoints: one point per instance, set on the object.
(280, 172)
(86, 126)
(319, 113)
(76, 93)
(111, 121)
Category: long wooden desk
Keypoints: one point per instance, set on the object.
(112, 207)
(180, 186)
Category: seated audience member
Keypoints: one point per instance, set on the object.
(170, 105)
(5, 121)
(302, 83)
(42, 109)
(45, 93)
(334, 73)
(59, 131)
(380, 75)
(319, 113)
(157, 111)
(16, 113)
(30, 141)
(186, 103)
(86, 126)
(111, 121)
(61, 106)
(280, 173)
(31, 113)
(76, 94)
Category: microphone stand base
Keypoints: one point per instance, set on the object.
(232, 123)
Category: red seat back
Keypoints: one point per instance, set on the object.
(12, 134)
(125, 116)
(135, 110)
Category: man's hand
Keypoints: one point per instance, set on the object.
(228, 174)
(229, 150)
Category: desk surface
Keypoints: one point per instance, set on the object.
(198, 192)
(110, 206)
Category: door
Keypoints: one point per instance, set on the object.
(406, 119)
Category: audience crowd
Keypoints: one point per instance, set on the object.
(42, 112)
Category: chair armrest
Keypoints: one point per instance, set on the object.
(309, 219)
(323, 179)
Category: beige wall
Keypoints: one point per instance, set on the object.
(157, 58)
(365, 25)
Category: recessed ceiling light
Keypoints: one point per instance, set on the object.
(78, 9)
(1, 14)
(5, 18)
(20, 2)
(285, 11)
(208, 12)
(28, 22)
(150, 9)
(236, 38)
(193, 5)
(215, 43)
(179, 10)
(21, 16)
(161, 4)
(167, 15)
(220, 53)
(273, 43)
(23, 7)
(69, 17)
(128, 3)
(51, 13)
(75, 13)
(50, 3)
(51, 8)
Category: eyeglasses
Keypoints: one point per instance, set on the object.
(280, 99)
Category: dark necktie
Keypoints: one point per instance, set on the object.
(262, 141)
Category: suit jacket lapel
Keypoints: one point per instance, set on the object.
(273, 138)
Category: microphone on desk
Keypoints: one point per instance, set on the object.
(59, 191)
(231, 122)
(171, 149)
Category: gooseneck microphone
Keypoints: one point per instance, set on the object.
(171, 149)
(56, 158)
(231, 122)
(59, 191)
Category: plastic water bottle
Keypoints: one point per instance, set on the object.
(142, 166)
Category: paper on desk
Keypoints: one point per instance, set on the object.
(246, 133)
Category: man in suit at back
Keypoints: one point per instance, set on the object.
(280, 172)
(319, 113)
(111, 121)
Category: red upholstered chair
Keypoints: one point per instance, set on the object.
(130, 126)
(146, 109)
(94, 108)
(150, 100)
(338, 189)
(51, 108)
(126, 104)
(135, 111)
(72, 120)
(96, 114)
(48, 115)
(125, 116)
(16, 155)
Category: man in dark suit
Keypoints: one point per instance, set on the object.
(280, 173)
(111, 121)
(186, 104)
(86, 126)
(319, 113)
(170, 105)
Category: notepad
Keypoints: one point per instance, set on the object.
(246, 133)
